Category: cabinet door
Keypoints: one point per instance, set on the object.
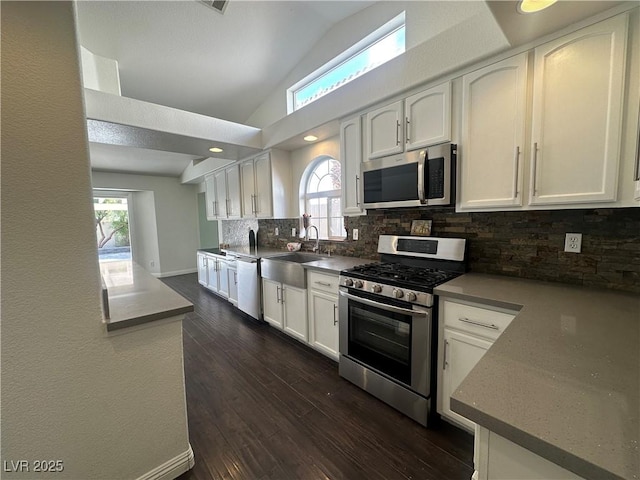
(247, 188)
(220, 208)
(384, 131)
(461, 353)
(271, 302)
(263, 196)
(212, 273)
(323, 323)
(202, 269)
(350, 159)
(493, 133)
(577, 112)
(232, 278)
(428, 117)
(223, 278)
(294, 301)
(233, 192)
(210, 196)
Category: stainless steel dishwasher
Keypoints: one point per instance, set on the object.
(249, 300)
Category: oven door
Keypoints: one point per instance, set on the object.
(392, 338)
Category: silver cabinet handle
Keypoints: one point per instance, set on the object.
(254, 204)
(235, 278)
(357, 190)
(515, 179)
(407, 129)
(444, 356)
(226, 200)
(535, 167)
(324, 284)
(282, 295)
(397, 132)
(278, 294)
(479, 324)
(335, 317)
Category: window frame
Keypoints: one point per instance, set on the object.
(369, 41)
(305, 196)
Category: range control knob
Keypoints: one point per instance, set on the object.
(348, 282)
(376, 288)
(358, 284)
(411, 297)
(397, 293)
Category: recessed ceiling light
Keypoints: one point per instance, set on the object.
(310, 138)
(532, 6)
(215, 149)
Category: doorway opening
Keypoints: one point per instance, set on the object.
(112, 228)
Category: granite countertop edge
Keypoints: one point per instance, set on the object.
(539, 305)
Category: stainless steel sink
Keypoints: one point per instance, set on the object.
(287, 268)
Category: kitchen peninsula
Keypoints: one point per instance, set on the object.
(562, 381)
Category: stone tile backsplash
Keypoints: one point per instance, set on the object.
(520, 244)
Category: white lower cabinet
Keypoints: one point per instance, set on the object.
(323, 313)
(497, 458)
(461, 353)
(202, 269)
(232, 276)
(285, 307)
(212, 273)
(466, 332)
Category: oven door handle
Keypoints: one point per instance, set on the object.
(382, 306)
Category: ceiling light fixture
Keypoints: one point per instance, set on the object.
(215, 149)
(310, 138)
(532, 6)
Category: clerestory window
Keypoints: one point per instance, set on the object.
(385, 43)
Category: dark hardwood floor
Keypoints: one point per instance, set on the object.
(263, 406)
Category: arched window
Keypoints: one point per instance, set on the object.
(320, 191)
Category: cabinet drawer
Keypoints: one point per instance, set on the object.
(323, 282)
(476, 320)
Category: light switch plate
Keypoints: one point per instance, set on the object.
(277, 232)
(573, 242)
(293, 232)
(355, 234)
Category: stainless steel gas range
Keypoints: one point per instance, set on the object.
(388, 321)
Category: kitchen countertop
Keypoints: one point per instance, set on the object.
(328, 264)
(136, 297)
(563, 380)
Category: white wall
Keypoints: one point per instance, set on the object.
(176, 213)
(144, 231)
(99, 73)
(108, 407)
(424, 21)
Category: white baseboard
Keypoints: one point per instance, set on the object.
(172, 468)
(176, 272)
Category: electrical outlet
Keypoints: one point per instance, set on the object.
(293, 232)
(277, 231)
(573, 242)
(152, 263)
(355, 233)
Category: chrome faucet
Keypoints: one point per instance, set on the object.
(317, 246)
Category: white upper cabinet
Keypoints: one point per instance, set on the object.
(210, 196)
(266, 185)
(418, 121)
(384, 131)
(493, 134)
(428, 117)
(221, 202)
(233, 192)
(351, 158)
(577, 114)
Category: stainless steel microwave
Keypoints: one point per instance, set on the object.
(413, 179)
